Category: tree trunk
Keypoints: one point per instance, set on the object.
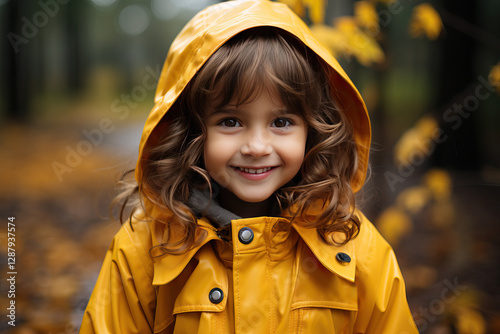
(458, 81)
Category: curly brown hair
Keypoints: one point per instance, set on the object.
(256, 59)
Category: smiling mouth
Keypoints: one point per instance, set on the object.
(254, 170)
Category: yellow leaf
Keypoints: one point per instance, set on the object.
(394, 224)
(296, 5)
(427, 126)
(366, 49)
(406, 147)
(331, 38)
(468, 297)
(347, 24)
(439, 183)
(316, 10)
(494, 77)
(469, 321)
(463, 309)
(416, 143)
(425, 20)
(414, 199)
(366, 14)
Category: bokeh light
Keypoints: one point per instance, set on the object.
(103, 3)
(133, 20)
(166, 10)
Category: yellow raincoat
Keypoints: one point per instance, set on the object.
(274, 282)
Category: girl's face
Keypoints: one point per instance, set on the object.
(254, 149)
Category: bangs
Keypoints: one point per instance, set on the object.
(257, 60)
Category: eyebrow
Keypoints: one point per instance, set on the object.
(225, 110)
(221, 111)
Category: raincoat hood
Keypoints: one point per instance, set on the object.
(215, 25)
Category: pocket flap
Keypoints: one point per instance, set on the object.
(207, 273)
(316, 286)
(189, 291)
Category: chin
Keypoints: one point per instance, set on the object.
(254, 199)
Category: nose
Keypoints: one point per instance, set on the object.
(256, 144)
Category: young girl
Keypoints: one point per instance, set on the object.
(246, 219)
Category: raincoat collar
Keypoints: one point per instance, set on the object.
(203, 204)
(327, 253)
(169, 266)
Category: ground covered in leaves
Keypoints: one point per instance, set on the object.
(443, 226)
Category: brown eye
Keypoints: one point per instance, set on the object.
(281, 122)
(230, 122)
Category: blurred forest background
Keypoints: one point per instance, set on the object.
(77, 83)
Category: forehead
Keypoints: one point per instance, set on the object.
(249, 88)
(260, 99)
(238, 72)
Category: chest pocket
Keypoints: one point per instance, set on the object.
(184, 305)
(323, 302)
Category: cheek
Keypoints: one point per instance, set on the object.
(296, 159)
(217, 153)
(294, 150)
(292, 157)
(216, 166)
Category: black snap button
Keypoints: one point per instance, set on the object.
(216, 295)
(245, 235)
(343, 257)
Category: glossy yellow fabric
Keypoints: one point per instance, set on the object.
(281, 282)
(211, 28)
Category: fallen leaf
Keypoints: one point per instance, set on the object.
(61, 288)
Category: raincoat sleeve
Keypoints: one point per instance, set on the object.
(123, 300)
(382, 303)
